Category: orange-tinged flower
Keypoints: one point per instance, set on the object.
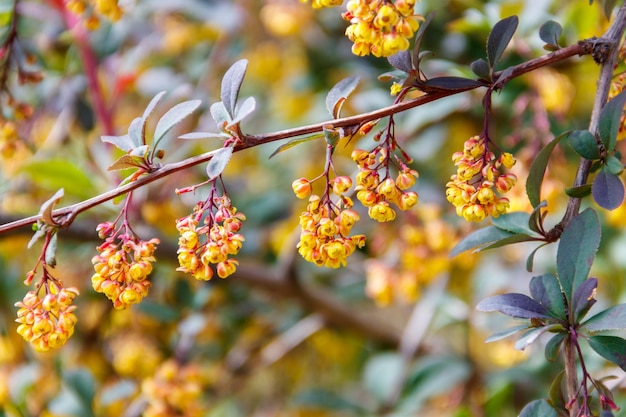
(47, 322)
(302, 188)
(213, 242)
(474, 189)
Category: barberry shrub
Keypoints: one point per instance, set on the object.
(461, 177)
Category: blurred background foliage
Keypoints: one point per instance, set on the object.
(395, 333)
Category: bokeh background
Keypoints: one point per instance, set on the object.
(394, 333)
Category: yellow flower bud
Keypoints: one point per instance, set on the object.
(302, 188)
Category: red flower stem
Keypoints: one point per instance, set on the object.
(90, 68)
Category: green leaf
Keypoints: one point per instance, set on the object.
(607, 190)
(479, 239)
(613, 318)
(338, 94)
(220, 115)
(584, 298)
(120, 390)
(401, 61)
(295, 142)
(159, 311)
(514, 222)
(557, 396)
(531, 258)
(126, 162)
(532, 335)
(231, 84)
(220, 159)
(577, 249)
(579, 192)
(172, 117)
(382, 373)
(450, 83)
(538, 408)
(535, 220)
(607, 7)
(610, 116)
(584, 143)
(123, 142)
(546, 290)
(332, 135)
(610, 347)
(514, 305)
(432, 377)
(506, 333)
(203, 135)
(326, 399)
(509, 241)
(550, 32)
(553, 347)
(499, 38)
(51, 251)
(480, 67)
(54, 174)
(614, 165)
(81, 382)
(538, 170)
(418, 41)
(244, 110)
(136, 132)
(152, 105)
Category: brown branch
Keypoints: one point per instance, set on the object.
(611, 39)
(67, 214)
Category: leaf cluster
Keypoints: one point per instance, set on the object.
(558, 303)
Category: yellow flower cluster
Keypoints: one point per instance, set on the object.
(326, 226)
(122, 269)
(8, 139)
(48, 322)
(380, 27)
(175, 390)
(212, 243)
(474, 189)
(422, 251)
(377, 195)
(110, 9)
(318, 4)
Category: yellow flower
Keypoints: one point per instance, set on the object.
(302, 188)
(48, 322)
(382, 212)
(473, 189)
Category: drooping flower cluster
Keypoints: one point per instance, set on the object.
(476, 187)
(380, 27)
(209, 238)
(47, 320)
(175, 390)
(318, 4)
(378, 195)
(325, 238)
(92, 9)
(122, 266)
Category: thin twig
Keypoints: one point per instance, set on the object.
(249, 141)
